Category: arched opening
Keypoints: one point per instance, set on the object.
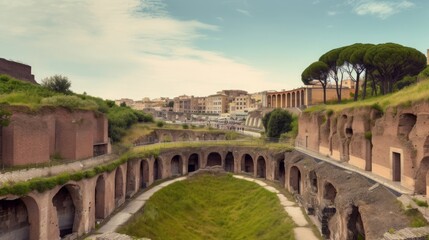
(157, 169)
(144, 174)
(280, 172)
(14, 220)
(119, 187)
(131, 179)
(261, 167)
(349, 132)
(279, 101)
(176, 165)
(68, 205)
(302, 98)
(289, 101)
(100, 198)
(247, 164)
(313, 181)
(229, 162)
(295, 179)
(283, 100)
(214, 159)
(406, 124)
(356, 230)
(269, 101)
(298, 99)
(274, 101)
(193, 162)
(329, 193)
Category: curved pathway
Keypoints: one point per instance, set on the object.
(302, 230)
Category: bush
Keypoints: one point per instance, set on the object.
(423, 74)
(280, 121)
(231, 135)
(185, 126)
(57, 83)
(160, 124)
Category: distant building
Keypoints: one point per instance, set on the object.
(216, 104)
(16, 70)
(182, 104)
(127, 101)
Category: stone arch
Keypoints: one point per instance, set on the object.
(283, 100)
(144, 173)
(157, 169)
(119, 187)
(176, 165)
(289, 100)
(312, 177)
(421, 183)
(329, 193)
(406, 124)
(269, 100)
(18, 220)
(68, 205)
(229, 162)
(279, 101)
(214, 159)
(247, 164)
(298, 99)
(193, 162)
(295, 179)
(355, 227)
(100, 198)
(273, 101)
(261, 170)
(280, 172)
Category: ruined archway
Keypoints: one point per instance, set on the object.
(229, 162)
(119, 187)
(280, 172)
(157, 169)
(247, 164)
(68, 205)
(355, 228)
(312, 177)
(421, 182)
(293, 100)
(14, 220)
(295, 179)
(214, 159)
(193, 162)
(176, 165)
(261, 167)
(329, 193)
(100, 198)
(144, 173)
(406, 124)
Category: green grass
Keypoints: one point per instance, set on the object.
(212, 207)
(421, 203)
(406, 97)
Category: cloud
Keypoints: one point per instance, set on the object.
(332, 13)
(113, 49)
(244, 12)
(381, 9)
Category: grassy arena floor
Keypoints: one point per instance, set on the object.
(212, 207)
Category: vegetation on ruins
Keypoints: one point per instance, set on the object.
(15, 92)
(277, 122)
(406, 97)
(212, 207)
(57, 83)
(384, 68)
(4, 116)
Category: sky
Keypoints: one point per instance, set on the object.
(165, 48)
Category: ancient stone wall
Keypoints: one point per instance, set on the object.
(393, 145)
(16, 70)
(35, 137)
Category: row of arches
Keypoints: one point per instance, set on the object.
(287, 99)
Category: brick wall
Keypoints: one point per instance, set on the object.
(16, 70)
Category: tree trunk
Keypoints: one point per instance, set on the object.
(357, 86)
(364, 86)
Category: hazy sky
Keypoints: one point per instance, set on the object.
(139, 48)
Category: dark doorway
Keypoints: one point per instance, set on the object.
(355, 226)
(65, 207)
(193, 163)
(295, 179)
(396, 167)
(214, 159)
(157, 169)
(229, 162)
(247, 164)
(261, 167)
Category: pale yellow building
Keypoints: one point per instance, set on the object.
(216, 104)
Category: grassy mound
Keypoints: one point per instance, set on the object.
(212, 207)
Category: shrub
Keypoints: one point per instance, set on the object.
(57, 83)
(368, 135)
(231, 135)
(160, 124)
(280, 121)
(185, 126)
